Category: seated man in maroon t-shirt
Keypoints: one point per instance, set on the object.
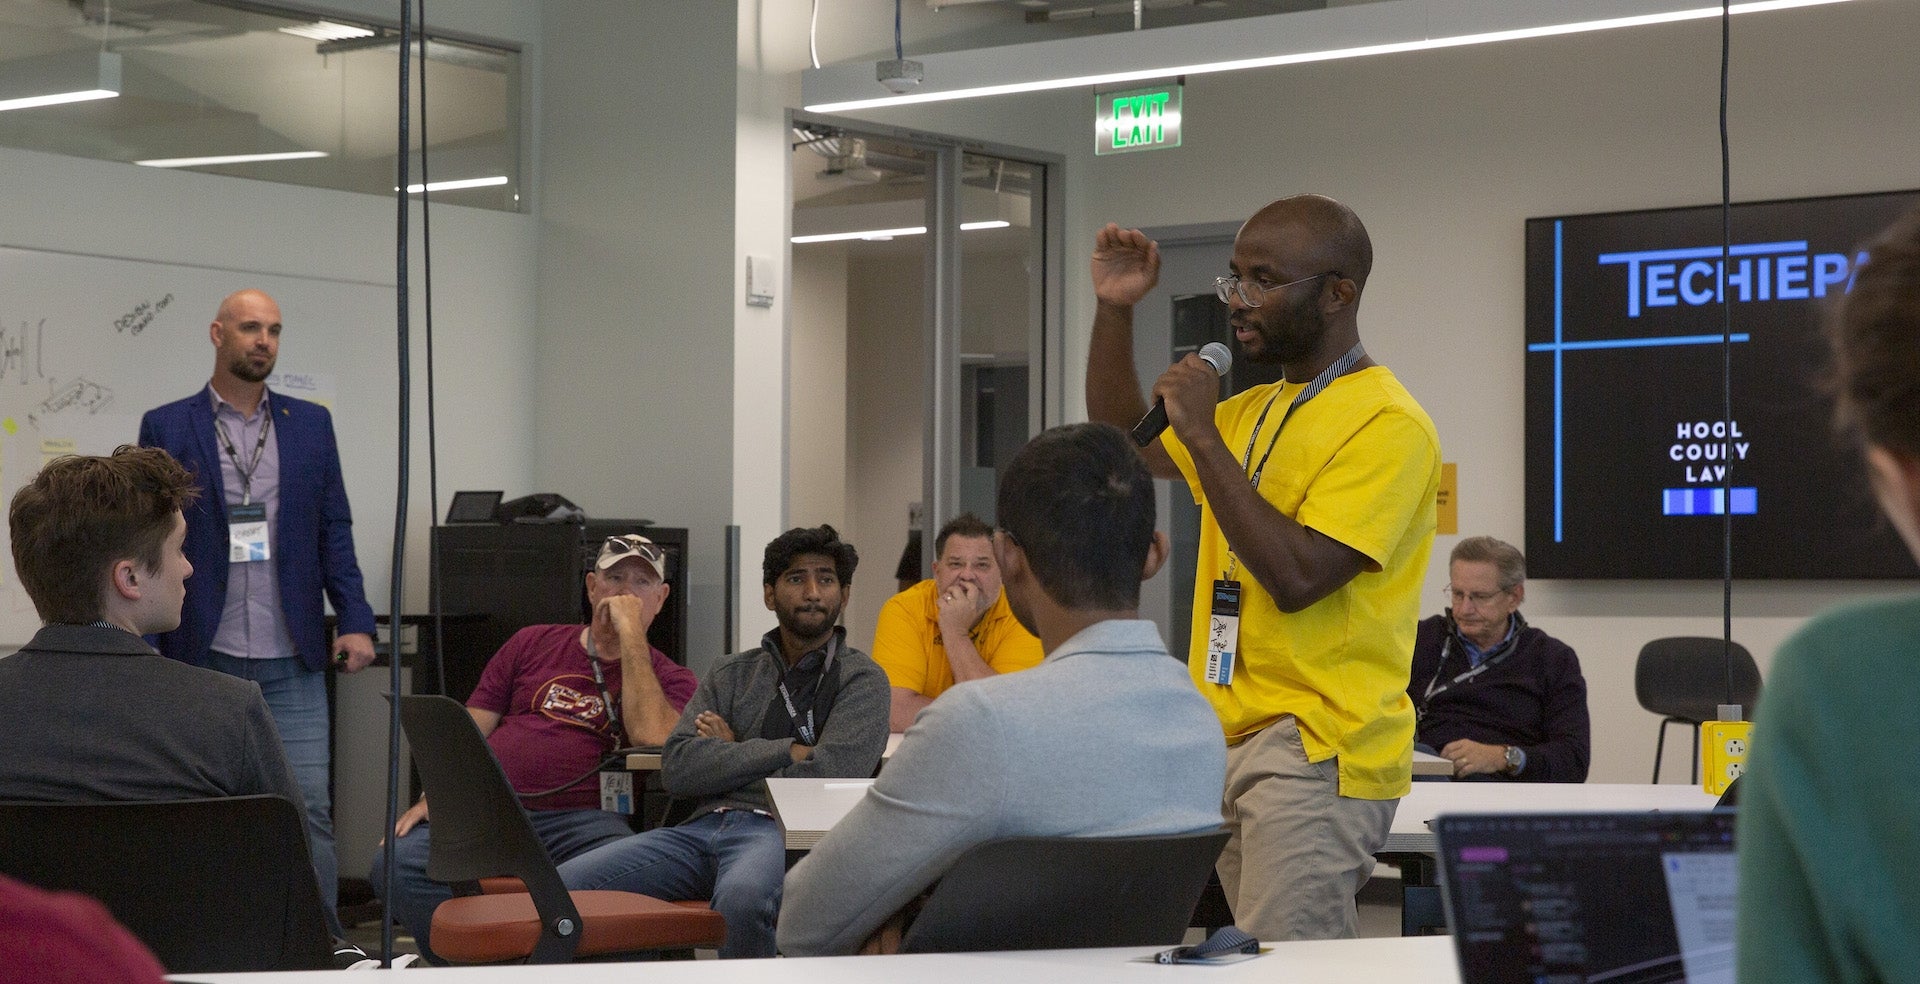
(553, 702)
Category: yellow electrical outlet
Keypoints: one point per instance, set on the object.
(1723, 753)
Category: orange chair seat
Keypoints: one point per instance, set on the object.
(495, 928)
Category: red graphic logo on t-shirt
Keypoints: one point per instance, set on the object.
(561, 702)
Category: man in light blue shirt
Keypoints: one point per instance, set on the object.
(1106, 737)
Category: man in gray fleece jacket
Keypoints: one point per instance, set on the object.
(1106, 737)
(804, 704)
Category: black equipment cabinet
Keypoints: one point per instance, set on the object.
(521, 574)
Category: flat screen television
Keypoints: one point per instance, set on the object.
(1627, 435)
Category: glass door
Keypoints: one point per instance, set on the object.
(924, 308)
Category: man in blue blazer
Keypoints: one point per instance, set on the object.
(269, 534)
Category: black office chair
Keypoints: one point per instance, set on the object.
(1684, 680)
(1045, 893)
(480, 832)
(208, 885)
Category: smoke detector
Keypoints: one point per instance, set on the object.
(900, 75)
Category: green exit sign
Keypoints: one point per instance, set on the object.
(1137, 119)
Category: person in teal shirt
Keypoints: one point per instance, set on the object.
(1830, 805)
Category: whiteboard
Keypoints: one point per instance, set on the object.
(90, 343)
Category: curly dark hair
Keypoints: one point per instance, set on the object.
(822, 539)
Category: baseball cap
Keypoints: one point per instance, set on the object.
(619, 548)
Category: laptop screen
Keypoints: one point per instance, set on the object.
(1616, 897)
(473, 507)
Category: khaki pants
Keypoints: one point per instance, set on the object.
(1298, 851)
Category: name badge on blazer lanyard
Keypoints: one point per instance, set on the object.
(247, 533)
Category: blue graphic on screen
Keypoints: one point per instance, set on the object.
(1709, 502)
(1672, 377)
(1560, 345)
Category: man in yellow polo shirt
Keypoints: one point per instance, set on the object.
(1317, 517)
(953, 628)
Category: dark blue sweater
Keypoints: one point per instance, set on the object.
(1535, 699)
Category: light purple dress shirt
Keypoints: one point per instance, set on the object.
(250, 624)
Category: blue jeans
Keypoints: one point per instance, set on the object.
(566, 834)
(736, 858)
(297, 698)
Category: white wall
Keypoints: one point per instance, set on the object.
(636, 279)
(886, 415)
(1445, 154)
(816, 407)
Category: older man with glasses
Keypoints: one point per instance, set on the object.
(553, 702)
(1497, 697)
(1317, 517)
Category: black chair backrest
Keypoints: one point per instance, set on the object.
(479, 829)
(1046, 893)
(1686, 677)
(208, 885)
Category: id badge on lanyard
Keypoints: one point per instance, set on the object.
(247, 533)
(1223, 632)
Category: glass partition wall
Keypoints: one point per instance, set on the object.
(256, 91)
(933, 265)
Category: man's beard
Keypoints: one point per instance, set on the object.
(806, 624)
(1304, 329)
(242, 368)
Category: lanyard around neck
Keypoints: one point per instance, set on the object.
(606, 697)
(1488, 659)
(259, 451)
(808, 735)
(1340, 367)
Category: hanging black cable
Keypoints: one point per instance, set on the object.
(397, 579)
(1726, 356)
(433, 447)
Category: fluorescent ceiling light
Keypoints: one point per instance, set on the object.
(55, 79)
(498, 179)
(885, 234)
(291, 155)
(1354, 31)
(327, 31)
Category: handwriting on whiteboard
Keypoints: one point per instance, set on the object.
(13, 350)
(75, 396)
(136, 321)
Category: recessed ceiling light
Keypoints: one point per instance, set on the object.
(1231, 45)
(291, 155)
(883, 235)
(327, 31)
(498, 179)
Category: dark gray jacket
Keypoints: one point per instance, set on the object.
(742, 688)
(94, 714)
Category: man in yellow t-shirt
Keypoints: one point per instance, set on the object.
(953, 628)
(1317, 518)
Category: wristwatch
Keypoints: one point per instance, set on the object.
(1516, 760)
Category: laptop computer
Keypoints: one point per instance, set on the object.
(474, 507)
(1622, 898)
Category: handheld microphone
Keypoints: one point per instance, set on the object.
(1214, 354)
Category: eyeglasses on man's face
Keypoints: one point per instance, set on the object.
(1252, 293)
(1479, 598)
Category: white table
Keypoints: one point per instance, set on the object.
(1412, 960)
(808, 808)
(811, 807)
